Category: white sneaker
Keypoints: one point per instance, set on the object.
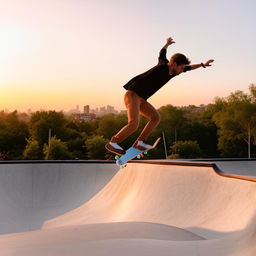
(114, 148)
(115, 145)
(140, 145)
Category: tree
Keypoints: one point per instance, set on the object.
(42, 121)
(32, 150)
(237, 123)
(172, 119)
(56, 150)
(77, 147)
(110, 124)
(96, 147)
(13, 134)
(86, 127)
(171, 124)
(185, 149)
(200, 127)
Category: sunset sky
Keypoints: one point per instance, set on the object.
(56, 54)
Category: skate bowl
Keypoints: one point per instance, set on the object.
(33, 192)
(148, 208)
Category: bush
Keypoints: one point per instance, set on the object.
(186, 149)
(32, 150)
(174, 156)
(56, 150)
(96, 147)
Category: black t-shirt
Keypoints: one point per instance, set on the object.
(149, 82)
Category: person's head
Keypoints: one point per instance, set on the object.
(178, 62)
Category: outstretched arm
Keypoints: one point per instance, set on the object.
(162, 55)
(169, 41)
(204, 65)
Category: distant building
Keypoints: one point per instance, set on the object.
(75, 111)
(84, 117)
(92, 113)
(110, 109)
(102, 110)
(87, 109)
(105, 110)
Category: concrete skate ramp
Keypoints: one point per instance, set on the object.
(239, 167)
(153, 208)
(33, 192)
(195, 198)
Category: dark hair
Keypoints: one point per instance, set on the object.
(179, 59)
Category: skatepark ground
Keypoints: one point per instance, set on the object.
(149, 208)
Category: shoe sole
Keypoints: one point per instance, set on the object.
(142, 149)
(113, 150)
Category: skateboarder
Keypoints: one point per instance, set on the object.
(143, 86)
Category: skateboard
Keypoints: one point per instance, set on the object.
(131, 153)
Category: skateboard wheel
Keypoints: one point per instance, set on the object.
(146, 152)
(138, 156)
(118, 162)
(116, 157)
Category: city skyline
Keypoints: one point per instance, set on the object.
(54, 56)
(85, 109)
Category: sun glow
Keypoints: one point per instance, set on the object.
(17, 45)
(14, 41)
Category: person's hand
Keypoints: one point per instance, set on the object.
(207, 63)
(169, 41)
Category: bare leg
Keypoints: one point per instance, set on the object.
(148, 111)
(133, 103)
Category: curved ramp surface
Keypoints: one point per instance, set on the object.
(33, 193)
(191, 197)
(153, 208)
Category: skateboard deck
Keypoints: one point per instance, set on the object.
(133, 152)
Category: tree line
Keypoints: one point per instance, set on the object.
(225, 128)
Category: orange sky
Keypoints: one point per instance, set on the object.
(67, 53)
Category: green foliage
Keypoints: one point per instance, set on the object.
(96, 147)
(172, 122)
(186, 149)
(87, 127)
(76, 146)
(172, 118)
(42, 121)
(237, 123)
(189, 123)
(226, 127)
(111, 124)
(252, 89)
(173, 156)
(13, 134)
(204, 132)
(32, 150)
(56, 150)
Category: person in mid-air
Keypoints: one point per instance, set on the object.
(143, 86)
